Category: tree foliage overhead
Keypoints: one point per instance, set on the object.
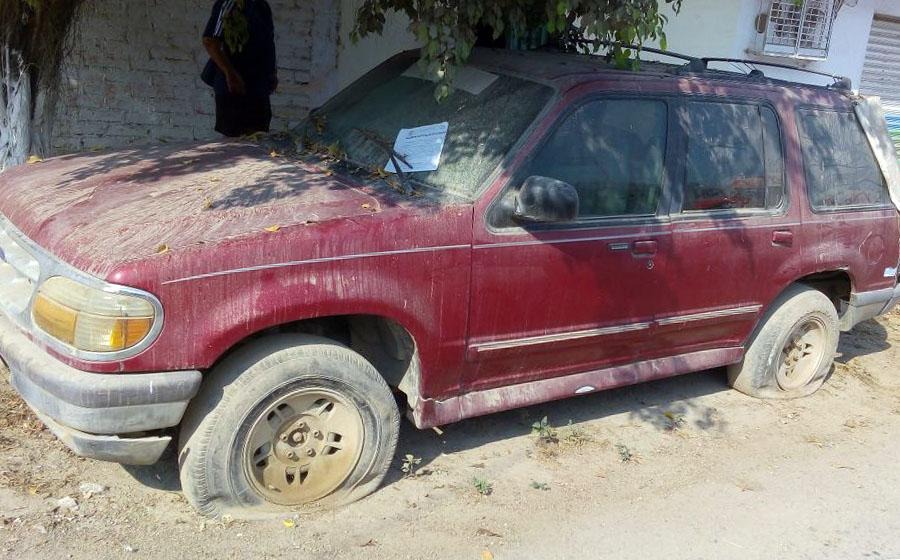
(448, 29)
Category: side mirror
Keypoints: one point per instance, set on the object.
(546, 200)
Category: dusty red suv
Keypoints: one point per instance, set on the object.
(562, 228)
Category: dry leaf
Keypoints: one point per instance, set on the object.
(370, 542)
(207, 203)
(482, 532)
(33, 159)
(289, 523)
(487, 555)
(162, 249)
(274, 153)
(273, 229)
(366, 206)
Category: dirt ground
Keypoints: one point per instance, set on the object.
(682, 468)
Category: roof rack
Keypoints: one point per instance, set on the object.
(701, 65)
(840, 82)
(690, 59)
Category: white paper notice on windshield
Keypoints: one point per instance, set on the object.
(420, 148)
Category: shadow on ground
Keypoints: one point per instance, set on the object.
(656, 404)
(866, 338)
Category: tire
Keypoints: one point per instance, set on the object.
(261, 439)
(779, 343)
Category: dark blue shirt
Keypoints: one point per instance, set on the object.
(255, 62)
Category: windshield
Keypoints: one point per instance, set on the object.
(486, 115)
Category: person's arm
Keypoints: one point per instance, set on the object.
(216, 49)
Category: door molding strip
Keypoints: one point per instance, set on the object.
(493, 346)
(707, 315)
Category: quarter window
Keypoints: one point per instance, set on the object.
(734, 158)
(612, 151)
(841, 170)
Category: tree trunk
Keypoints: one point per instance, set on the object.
(17, 131)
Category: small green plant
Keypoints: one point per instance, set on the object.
(540, 485)
(575, 436)
(409, 464)
(544, 431)
(675, 421)
(625, 454)
(482, 486)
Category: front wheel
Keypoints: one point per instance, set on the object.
(290, 421)
(793, 348)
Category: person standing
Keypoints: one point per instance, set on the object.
(240, 40)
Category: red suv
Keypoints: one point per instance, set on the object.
(561, 228)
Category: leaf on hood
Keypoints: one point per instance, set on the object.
(33, 159)
(162, 249)
(273, 229)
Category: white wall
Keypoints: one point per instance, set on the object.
(355, 59)
(725, 28)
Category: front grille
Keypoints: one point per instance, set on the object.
(19, 274)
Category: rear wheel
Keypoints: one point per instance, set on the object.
(291, 421)
(793, 348)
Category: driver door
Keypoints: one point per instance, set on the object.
(554, 299)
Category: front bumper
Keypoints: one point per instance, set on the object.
(867, 305)
(102, 416)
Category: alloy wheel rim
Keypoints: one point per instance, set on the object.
(303, 446)
(801, 356)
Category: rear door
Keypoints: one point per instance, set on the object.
(850, 222)
(548, 300)
(735, 233)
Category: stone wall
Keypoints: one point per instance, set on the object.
(134, 72)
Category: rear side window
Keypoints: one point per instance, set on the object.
(613, 152)
(734, 157)
(841, 170)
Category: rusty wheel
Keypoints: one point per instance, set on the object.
(303, 446)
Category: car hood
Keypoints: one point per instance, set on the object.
(95, 211)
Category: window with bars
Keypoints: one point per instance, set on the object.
(799, 29)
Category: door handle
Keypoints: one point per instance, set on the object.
(644, 248)
(783, 238)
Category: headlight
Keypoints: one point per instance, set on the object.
(90, 319)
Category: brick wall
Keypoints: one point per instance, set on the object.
(133, 75)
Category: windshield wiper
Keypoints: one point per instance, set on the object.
(396, 157)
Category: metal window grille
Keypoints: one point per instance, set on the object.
(799, 30)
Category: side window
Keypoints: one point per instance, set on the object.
(841, 170)
(734, 158)
(612, 151)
